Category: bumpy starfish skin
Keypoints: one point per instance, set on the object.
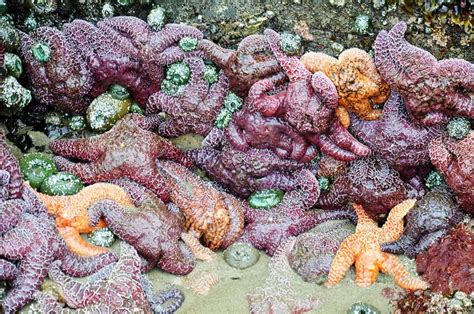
(363, 250)
(455, 160)
(214, 216)
(267, 228)
(308, 104)
(11, 183)
(432, 89)
(428, 222)
(120, 292)
(370, 182)
(243, 172)
(152, 230)
(448, 265)
(71, 216)
(252, 61)
(250, 129)
(63, 80)
(396, 137)
(195, 110)
(36, 244)
(128, 150)
(358, 83)
(314, 250)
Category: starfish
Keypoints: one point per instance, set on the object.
(428, 222)
(432, 89)
(396, 137)
(195, 110)
(448, 265)
(214, 216)
(11, 183)
(35, 243)
(251, 129)
(363, 249)
(455, 161)
(308, 104)
(149, 227)
(370, 182)
(278, 293)
(243, 172)
(128, 150)
(71, 216)
(358, 83)
(267, 228)
(252, 61)
(120, 292)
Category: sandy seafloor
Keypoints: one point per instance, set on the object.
(229, 295)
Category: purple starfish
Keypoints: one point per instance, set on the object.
(370, 182)
(267, 228)
(120, 292)
(11, 183)
(252, 61)
(432, 89)
(35, 242)
(243, 172)
(195, 110)
(397, 138)
(151, 229)
(251, 129)
(428, 222)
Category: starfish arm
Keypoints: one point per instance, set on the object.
(363, 219)
(218, 91)
(77, 244)
(166, 150)
(236, 214)
(347, 141)
(254, 101)
(236, 137)
(399, 246)
(83, 149)
(341, 263)
(275, 181)
(168, 301)
(197, 86)
(439, 154)
(343, 115)
(35, 205)
(10, 213)
(129, 265)
(8, 270)
(200, 252)
(220, 56)
(214, 139)
(392, 266)
(178, 260)
(336, 196)
(434, 118)
(174, 54)
(463, 104)
(32, 271)
(426, 241)
(154, 181)
(48, 303)
(161, 102)
(150, 122)
(77, 266)
(393, 227)
(171, 129)
(371, 114)
(327, 146)
(326, 90)
(77, 294)
(89, 173)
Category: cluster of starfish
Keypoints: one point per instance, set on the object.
(308, 128)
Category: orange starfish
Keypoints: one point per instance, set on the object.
(72, 218)
(215, 216)
(358, 83)
(363, 250)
